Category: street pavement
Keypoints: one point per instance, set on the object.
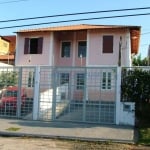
(66, 130)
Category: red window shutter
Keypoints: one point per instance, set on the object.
(40, 45)
(108, 44)
(26, 46)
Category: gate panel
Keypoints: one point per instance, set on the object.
(91, 95)
(71, 84)
(27, 76)
(8, 91)
(47, 77)
(101, 95)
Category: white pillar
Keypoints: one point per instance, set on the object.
(87, 48)
(128, 53)
(74, 49)
(36, 93)
(118, 95)
(52, 51)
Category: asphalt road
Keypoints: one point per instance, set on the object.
(24, 143)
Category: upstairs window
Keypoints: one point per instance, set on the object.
(108, 44)
(65, 49)
(82, 49)
(33, 45)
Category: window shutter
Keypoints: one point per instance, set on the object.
(40, 45)
(26, 46)
(107, 44)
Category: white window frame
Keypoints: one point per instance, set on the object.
(65, 79)
(80, 84)
(107, 81)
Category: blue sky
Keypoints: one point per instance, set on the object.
(14, 9)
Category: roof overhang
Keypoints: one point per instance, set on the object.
(134, 31)
(135, 39)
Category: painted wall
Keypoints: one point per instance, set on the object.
(4, 47)
(74, 38)
(96, 57)
(33, 59)
(127, 113)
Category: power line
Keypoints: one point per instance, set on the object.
(145, 33)
(73, 14)
(74, 20)
(12, 1)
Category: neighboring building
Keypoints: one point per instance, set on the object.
(78, 45)
(7, 49)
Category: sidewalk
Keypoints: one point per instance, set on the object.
(65, 130)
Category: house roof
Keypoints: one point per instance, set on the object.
(134, 31)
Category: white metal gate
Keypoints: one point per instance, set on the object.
(77, 94)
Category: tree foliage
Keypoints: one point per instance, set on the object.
(8, 79)
(138, 61)
(135, 85)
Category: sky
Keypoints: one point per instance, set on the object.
(18, 9)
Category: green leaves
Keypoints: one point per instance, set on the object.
(8, 79)
(135, 84)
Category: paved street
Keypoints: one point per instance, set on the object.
(65, 130)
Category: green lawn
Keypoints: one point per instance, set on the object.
(144, 124)
(144, 136)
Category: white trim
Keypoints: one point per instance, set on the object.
(17, 51)
(102, 66)
(128, 54)
(74, 49)
(106, 78)
(87, 46)
(51, 51)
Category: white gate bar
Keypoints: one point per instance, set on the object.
(118, 94)
(36, 93)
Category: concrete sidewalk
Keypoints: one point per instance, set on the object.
(65, 130)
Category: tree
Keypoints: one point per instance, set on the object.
(135, 85)
(8, 79)
(138, 61)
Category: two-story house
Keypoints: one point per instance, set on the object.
(78, 45)
(73, 51)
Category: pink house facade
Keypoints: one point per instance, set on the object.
(77, 65)
(77, 45)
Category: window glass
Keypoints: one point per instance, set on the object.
(82, 49)
(65, 50)
(80, 81)
(106, 80)
(64, 78)
(33, 45)
(31, 79)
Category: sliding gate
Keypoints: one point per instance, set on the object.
(78, 94)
